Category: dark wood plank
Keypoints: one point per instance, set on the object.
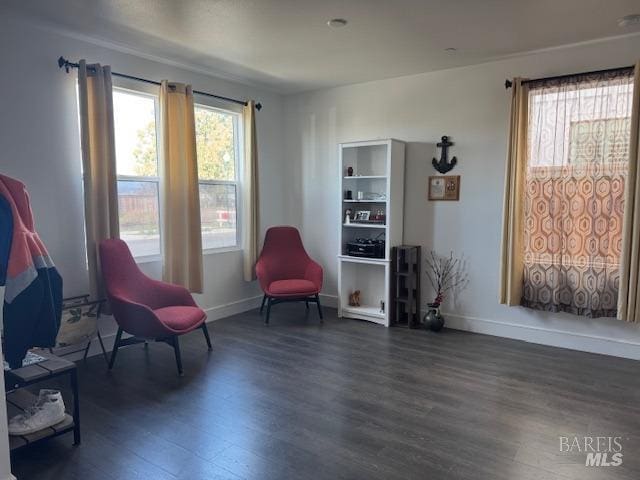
(57, 365)
(27, 374)
(21, 399)
(343, 400)
(18, 401)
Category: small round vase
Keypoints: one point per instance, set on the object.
(432, 319)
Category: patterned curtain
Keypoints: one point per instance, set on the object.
(577, 159)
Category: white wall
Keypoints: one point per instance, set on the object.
(40, 145)
(471, 105)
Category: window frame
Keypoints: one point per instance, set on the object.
(211, 104)
(128, 87)
(200, 101)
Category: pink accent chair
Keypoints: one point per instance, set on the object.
(285, 272)
(145, 308)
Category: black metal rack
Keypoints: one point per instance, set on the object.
(405, 286)
(19, 398)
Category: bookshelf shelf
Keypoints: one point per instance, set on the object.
(364, 225)
(366, 177)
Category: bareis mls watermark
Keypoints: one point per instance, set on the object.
(597, 451)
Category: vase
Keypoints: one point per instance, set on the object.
(433, 320)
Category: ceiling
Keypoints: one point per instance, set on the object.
(286, 45)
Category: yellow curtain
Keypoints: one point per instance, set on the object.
(180, 198)
(629, 291)
(512, 261)
(98, 164)
(250, 201)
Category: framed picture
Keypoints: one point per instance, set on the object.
(445, 187)
(362, 215)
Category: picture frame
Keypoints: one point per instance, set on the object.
(362, 215)
(444, 187)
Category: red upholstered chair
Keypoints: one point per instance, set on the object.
(146, 308)
(285, 272)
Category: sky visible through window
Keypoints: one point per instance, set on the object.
(134, 118)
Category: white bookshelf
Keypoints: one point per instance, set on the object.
(378, 172)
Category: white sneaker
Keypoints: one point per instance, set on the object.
(47, 411)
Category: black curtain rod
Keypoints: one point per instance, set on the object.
(67, 65)
(509, 83)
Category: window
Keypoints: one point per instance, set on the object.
(217, 150)
(577, 160)
(217, 137)
(137, 169)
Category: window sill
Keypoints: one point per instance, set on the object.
(209, 251)
(214, 251)
(148, 259)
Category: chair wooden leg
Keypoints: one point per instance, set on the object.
(116, 345)
(206, 335)
(319, 308)
(264, 299)
(266, 320)
(176, 350)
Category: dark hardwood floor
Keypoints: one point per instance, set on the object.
(344, 400)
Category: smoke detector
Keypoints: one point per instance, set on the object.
(337, 23)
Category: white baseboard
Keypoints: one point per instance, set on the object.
(545, 336)
(329, 300)
(527, 333)
(232, 308)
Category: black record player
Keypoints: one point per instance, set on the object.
(366, 247)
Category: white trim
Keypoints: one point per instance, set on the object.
(329, 300)
(237, 183)
(233, 308)
(217, 182)
(148, 93)
(368, 143)
(215, 251)
(134, 178)
(369, 260)
(544, 336)
(205, 251)
(209, 103)
(527, 333)
(148, 259)
(593, 41)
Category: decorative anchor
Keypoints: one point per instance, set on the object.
(443, 166)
